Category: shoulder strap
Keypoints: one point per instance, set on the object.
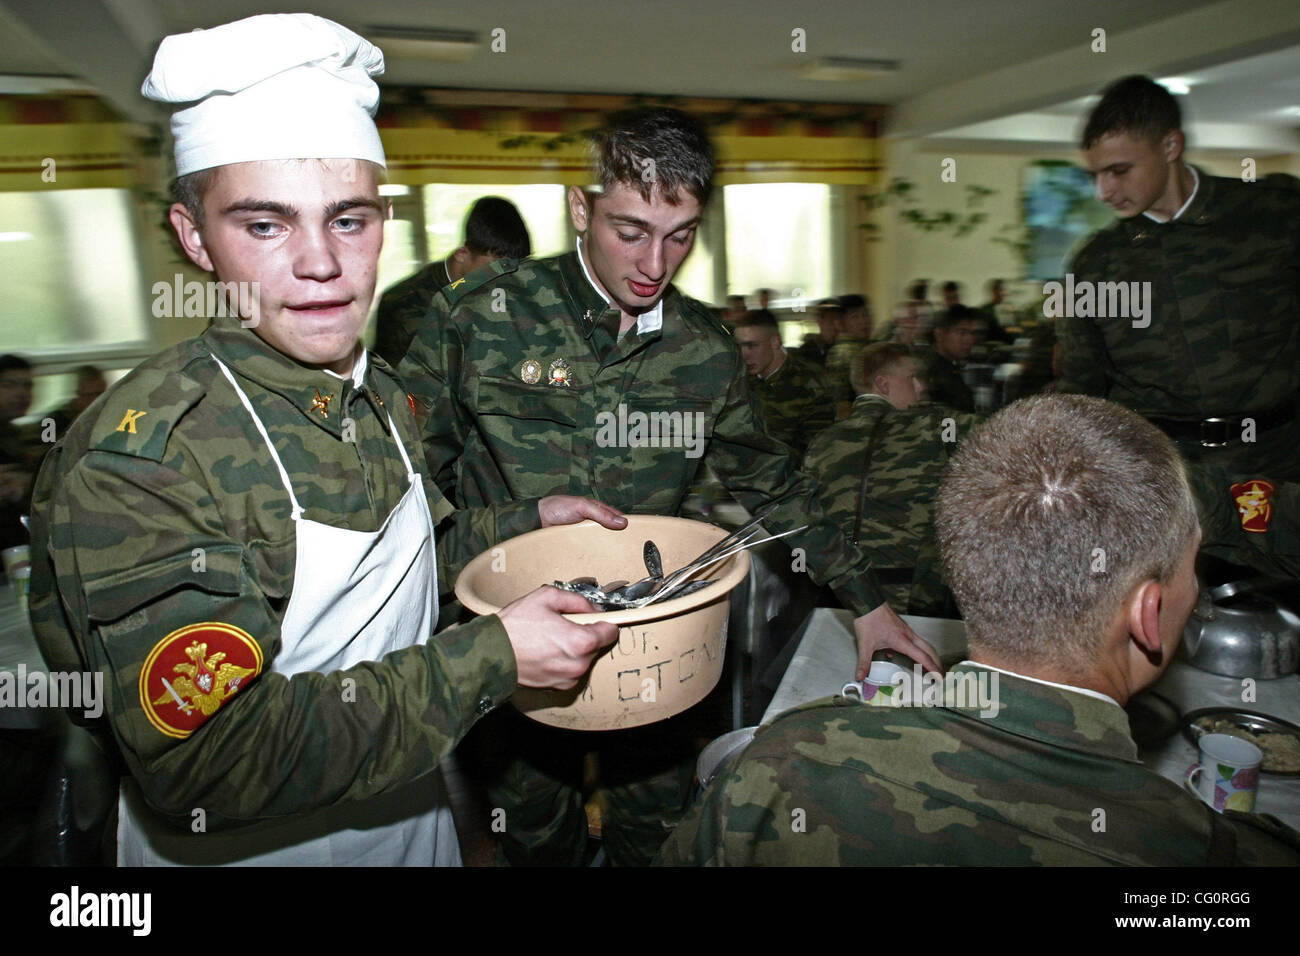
(866, 473)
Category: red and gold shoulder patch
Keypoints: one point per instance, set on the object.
(193, 671)
(1253, 504)
(410, 401)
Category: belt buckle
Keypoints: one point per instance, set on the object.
(1222, 432)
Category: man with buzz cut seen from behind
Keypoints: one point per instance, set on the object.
(512, 400)
(1020, 773)
(880, 470)
(237, 535)
(1213, 362)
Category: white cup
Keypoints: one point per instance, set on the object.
(1228, 772)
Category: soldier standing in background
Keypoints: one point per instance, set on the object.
(792, 394)
(1015, 775)
(516, 371)
(1214, 362)
(235, 536)
(880, 471)
(493, 230)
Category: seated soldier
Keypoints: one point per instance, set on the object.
(792, 393)
(817, 345)
(855, 335)
(1024, 778)
(955, 331)
(493, 230)
(880, 471)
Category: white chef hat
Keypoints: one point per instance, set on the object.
(275, 86)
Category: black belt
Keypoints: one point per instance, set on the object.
(1224, 429)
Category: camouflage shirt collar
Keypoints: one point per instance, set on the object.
(1199, 210)
(318, 394)
(646, 322)
(1055, 714)
(1196, 186)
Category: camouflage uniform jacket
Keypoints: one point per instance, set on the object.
(486, 371)
(943, 378)
(835, 782)
(1224, 337)
(161, 508)
(1248, 519)
(402, 308)
(839, 362)
(910, 450)
(796, 402)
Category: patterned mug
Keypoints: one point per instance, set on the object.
(887, 685)
(1228, 771)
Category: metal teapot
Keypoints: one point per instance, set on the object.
(1240, 630)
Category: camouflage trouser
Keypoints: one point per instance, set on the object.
(534, 774)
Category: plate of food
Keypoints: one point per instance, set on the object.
(1278, 740)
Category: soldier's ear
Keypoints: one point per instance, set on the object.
(579, 209)
(1173, 145)
(190, 236)
(1142, 610)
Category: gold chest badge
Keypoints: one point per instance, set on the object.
(531, 371)
(561, 373)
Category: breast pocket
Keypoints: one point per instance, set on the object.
(1259, 303)
(666, 441)
(527, 431)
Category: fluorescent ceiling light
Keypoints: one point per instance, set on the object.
(847, 69)
(448, 46)
(1177, 85)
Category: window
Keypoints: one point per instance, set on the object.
(76, 252)
(780, 236)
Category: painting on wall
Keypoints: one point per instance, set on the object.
(1060, 213)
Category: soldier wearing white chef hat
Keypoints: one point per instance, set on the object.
(237, 537)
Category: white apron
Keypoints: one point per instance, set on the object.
(356, 596)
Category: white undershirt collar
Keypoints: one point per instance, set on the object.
(358, 371)
(1196, 184)
(651, 321)
(1038, 680)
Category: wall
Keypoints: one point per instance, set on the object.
(905, 253)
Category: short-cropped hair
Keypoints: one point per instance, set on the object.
(853, 301)
(655, 149)
(495, 228)
(958, 313)
(872, 361)
(759, 319)
(1049, 514)
(1136, 105)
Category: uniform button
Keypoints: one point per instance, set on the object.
(485, 705)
